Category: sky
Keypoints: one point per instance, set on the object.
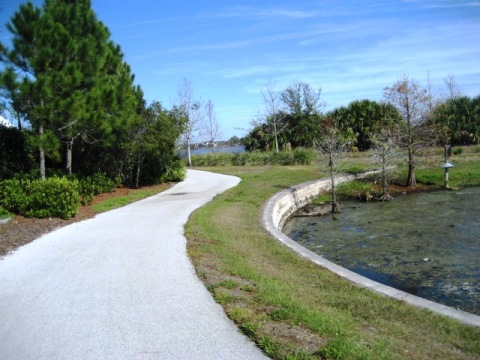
(228, 50)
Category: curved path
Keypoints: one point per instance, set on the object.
(118, 286)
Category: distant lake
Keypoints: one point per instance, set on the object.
(220, 149)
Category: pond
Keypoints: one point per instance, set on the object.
(425, 244)
(220, 149)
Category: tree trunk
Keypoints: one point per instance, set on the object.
(335, 207)
(386, 192)
(411, 181)
(189, 153)
(384, 173)
(276, 136)
(137, 177)
(41, 155)
(68, 160)
(19, 122)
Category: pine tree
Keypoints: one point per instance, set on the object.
(74, 86)
(26, 79)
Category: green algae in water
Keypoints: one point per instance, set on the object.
(424, 244)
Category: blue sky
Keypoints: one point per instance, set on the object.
(350, 49)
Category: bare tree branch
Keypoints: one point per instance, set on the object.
(211, 127)
(275, 113)
(190, 111)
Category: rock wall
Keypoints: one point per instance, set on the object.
(289, 201)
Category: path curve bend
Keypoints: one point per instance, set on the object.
(118, 286)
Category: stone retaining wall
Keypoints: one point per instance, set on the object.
(282, 205)
(289, 201)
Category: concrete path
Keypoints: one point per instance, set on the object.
(119, 286)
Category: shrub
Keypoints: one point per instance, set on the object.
(355, 189)
(355, 169)
(93, 185)
(13, 196)
(175, 171)
(458, 151)
(31, 175)
(4, 214)
(302, 156)
(299, 156)
(53, 197)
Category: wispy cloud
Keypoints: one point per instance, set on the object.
(444, 4)
(179, 68)
(276, 12)
(237, 72)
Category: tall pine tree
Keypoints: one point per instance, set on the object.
(67, 77)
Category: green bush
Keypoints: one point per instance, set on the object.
(303, 156)
(93, 185)
(4, 214)
(355, 189)
(458, 151)
(53, 197)
(299, 156)
(175, 171)
(13, 195)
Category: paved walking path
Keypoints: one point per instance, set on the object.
(118, 286)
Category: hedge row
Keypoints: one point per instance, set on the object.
(53, 197)
(299, 156)
(93, 185)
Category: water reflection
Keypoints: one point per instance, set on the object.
(425, 244)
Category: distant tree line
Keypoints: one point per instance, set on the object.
(299, 119)
(409, 117)
(67, 81)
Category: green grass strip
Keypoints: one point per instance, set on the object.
(294, 309)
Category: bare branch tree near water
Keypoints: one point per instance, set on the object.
(211, 127)
(388, 155)
(333, 145)
(275, 113)
(414, 103)
(190, 111)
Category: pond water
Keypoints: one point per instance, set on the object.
(425, 244)
(220, 149)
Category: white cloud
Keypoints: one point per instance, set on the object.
(5, 122)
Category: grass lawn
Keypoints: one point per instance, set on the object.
(294, 309)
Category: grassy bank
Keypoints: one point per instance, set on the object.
(296, 310)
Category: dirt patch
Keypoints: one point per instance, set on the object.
(296, 338)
